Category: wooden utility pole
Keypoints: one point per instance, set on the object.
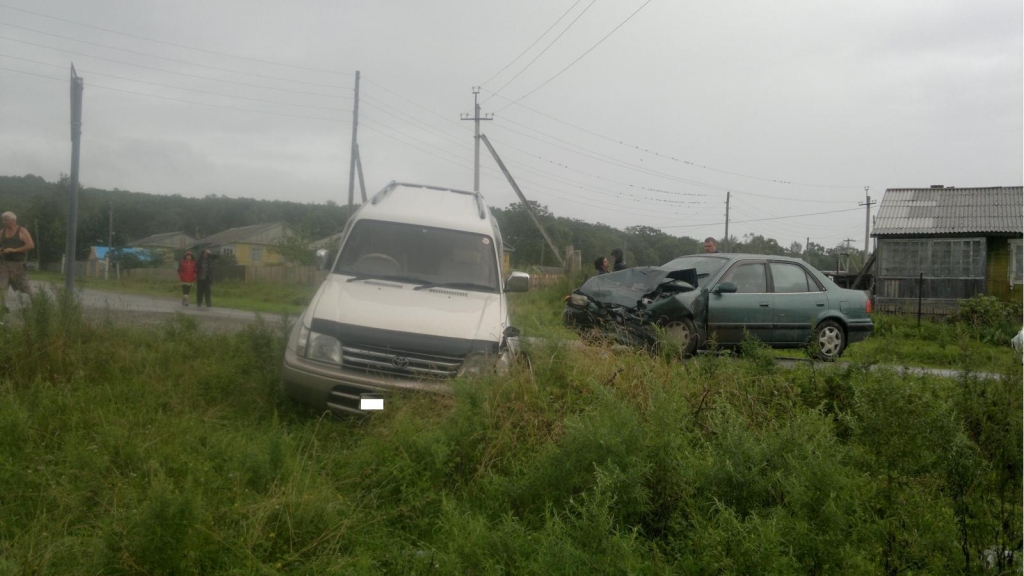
(110, 243)
(77, 87)
(867, 222)
(359, 170)
(476, 118)
(726, 239)
(354, 150)
(522, 199)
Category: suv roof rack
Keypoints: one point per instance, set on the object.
(380, 196)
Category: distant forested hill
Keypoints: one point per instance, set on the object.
(41, 207)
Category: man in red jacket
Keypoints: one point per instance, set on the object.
(187, 275)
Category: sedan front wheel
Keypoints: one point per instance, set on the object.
(830, 339)
(683, 333)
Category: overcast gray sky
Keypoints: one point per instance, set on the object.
(793, 105)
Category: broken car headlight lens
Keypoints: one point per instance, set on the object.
(324, 348)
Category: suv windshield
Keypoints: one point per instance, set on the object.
(419, 255)
(706, 266)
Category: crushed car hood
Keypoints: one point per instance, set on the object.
(394, 306)
(627, 287)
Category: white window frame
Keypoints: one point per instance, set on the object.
(256, 253)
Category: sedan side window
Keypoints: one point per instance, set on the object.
(790, 278)
(749, 278)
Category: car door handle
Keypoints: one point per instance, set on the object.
(764, 304)
(820, 304)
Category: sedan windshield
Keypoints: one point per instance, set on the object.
(419, 255)
(706, 266)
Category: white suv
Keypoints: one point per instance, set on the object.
(414, 297)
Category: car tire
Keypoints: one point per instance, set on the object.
(830, 340)
(685, 333)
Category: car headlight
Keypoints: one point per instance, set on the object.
(477, 364)
(302, 341)
(324, 348)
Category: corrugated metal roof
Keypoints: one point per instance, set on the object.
(996, 210)
(240, 234)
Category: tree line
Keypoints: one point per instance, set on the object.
(41, 207)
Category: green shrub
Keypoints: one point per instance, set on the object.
(989, 319)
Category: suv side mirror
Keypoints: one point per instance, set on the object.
(324, 258)
(518, 282)
(724, 288)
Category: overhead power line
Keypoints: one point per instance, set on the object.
(666, 156)
(171, 43)
(628, 18)
(766, 219)
(166, 71)
(496, 74)
(93, 85)
(178, 60)
(93, 73)
(550, 44)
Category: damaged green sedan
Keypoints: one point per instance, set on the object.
(695, 300)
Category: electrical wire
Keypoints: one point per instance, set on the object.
(173, 59)
(92, 85)
(775, 218)
(496, 74)
(93, 73)
(65, 51)
(550, 44)
(581, 55)
(667, 157)
(171, 43)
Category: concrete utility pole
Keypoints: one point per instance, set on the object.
(867, 222)
(354, 150)
(476, 118)
(77, 87)
(726, 239)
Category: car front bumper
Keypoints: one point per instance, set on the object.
(340, 390)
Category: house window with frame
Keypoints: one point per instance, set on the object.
(1016, 266)
(227, 251)
(256, 253)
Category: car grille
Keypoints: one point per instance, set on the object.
(400, 363)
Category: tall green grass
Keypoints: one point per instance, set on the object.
(171, 451)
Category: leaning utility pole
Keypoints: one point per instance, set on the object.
(359, 169)
(725, 240)
(476, 118)
(77, 87)
(354, 150)
(867, 222)
(522, 199)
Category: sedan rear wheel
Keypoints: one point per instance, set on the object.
(831, 340)
(683, 334)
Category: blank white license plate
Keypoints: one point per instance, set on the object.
(371, 402)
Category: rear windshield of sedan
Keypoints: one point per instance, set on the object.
(706, 266)
(420, 254)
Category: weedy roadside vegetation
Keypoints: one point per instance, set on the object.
(170, 451)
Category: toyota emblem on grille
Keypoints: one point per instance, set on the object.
(400, 362)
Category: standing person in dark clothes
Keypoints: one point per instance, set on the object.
(710, 245)
(15, 242)
(204, 278)
(187, 275)
(620, 262)
(601, 265)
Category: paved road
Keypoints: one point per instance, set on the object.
(139, 309)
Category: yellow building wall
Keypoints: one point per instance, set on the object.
(243, 254)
